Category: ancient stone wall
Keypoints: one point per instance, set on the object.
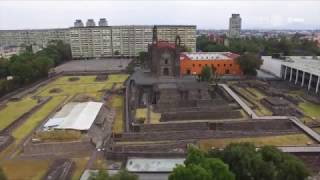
(57, 147)
(200, 115)
(254, 125)
(174, 126)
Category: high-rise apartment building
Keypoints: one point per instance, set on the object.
(103, 22)
(89, 42)
(125, 40)
(90, 23)
(187, 34)
(234, 26)
(39, 37)
(92, 41)
(78, 23)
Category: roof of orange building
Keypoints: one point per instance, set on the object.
(208, 56)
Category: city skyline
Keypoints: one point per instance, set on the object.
(203, 14)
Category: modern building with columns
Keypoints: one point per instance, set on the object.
(300, 70)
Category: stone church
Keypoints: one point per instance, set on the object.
(161, 85)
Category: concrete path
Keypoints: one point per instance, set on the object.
(244, 106)
(305, 128)
(253, 115)
(300, 149)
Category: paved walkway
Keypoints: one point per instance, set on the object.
(300, 149)
(253, 115)
(244, 106)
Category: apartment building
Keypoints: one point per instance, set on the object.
(93, 41)
(234, 26)
(129, 40)
(39, 37)
(89, 42)
(186, 33)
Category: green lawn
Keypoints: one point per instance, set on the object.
(281, 140)
(14, 110)
(142, 113)
(256, 92)
(35, 119)
(310, 109)
(85, 85)
(317, 130)
(80, 165)
(117, 103)
(25, 169)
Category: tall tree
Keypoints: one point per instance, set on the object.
(249, 63)
(267, 163)
(206, 74)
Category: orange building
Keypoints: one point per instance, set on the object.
(222, 62)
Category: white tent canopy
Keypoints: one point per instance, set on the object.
(78, 116)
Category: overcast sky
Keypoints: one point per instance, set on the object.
(204, 14)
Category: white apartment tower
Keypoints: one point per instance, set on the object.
(234, 26)
(93, 41)
(78, 23)
(103, 22)
(90, 23)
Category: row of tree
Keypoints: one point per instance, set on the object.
(288, 46)
(242, 161)
(121, 175)
(29, 67)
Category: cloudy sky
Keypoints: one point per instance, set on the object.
(205, 14)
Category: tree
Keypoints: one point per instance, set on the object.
(124, 175)
(101, 175)
(121, 175)
(267, 163)
(185, 49)
(42, 65)
(217, 169)
(4, 69)
(206, 74)
(198, 166)
(2, 175)
(249, 63)
(142, 57)
(189, 172)
(194, 156)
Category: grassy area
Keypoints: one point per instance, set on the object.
(117, 103)
(117, 78)
(35, 119)
(260, 110)
(310, 109)
(142, 113)
(281, 140)
(85, 85)
(100, 162)
(14, 110)
(256, 92)
(25, 169)
(59, 135)
(317, 130)
(80, 165)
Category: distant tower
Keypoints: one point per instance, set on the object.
(234, 26)
(103, 22)
(178, 41)
(90, 23)
(78, 23)
(154, 35)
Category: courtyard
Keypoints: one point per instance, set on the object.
(32, 110)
